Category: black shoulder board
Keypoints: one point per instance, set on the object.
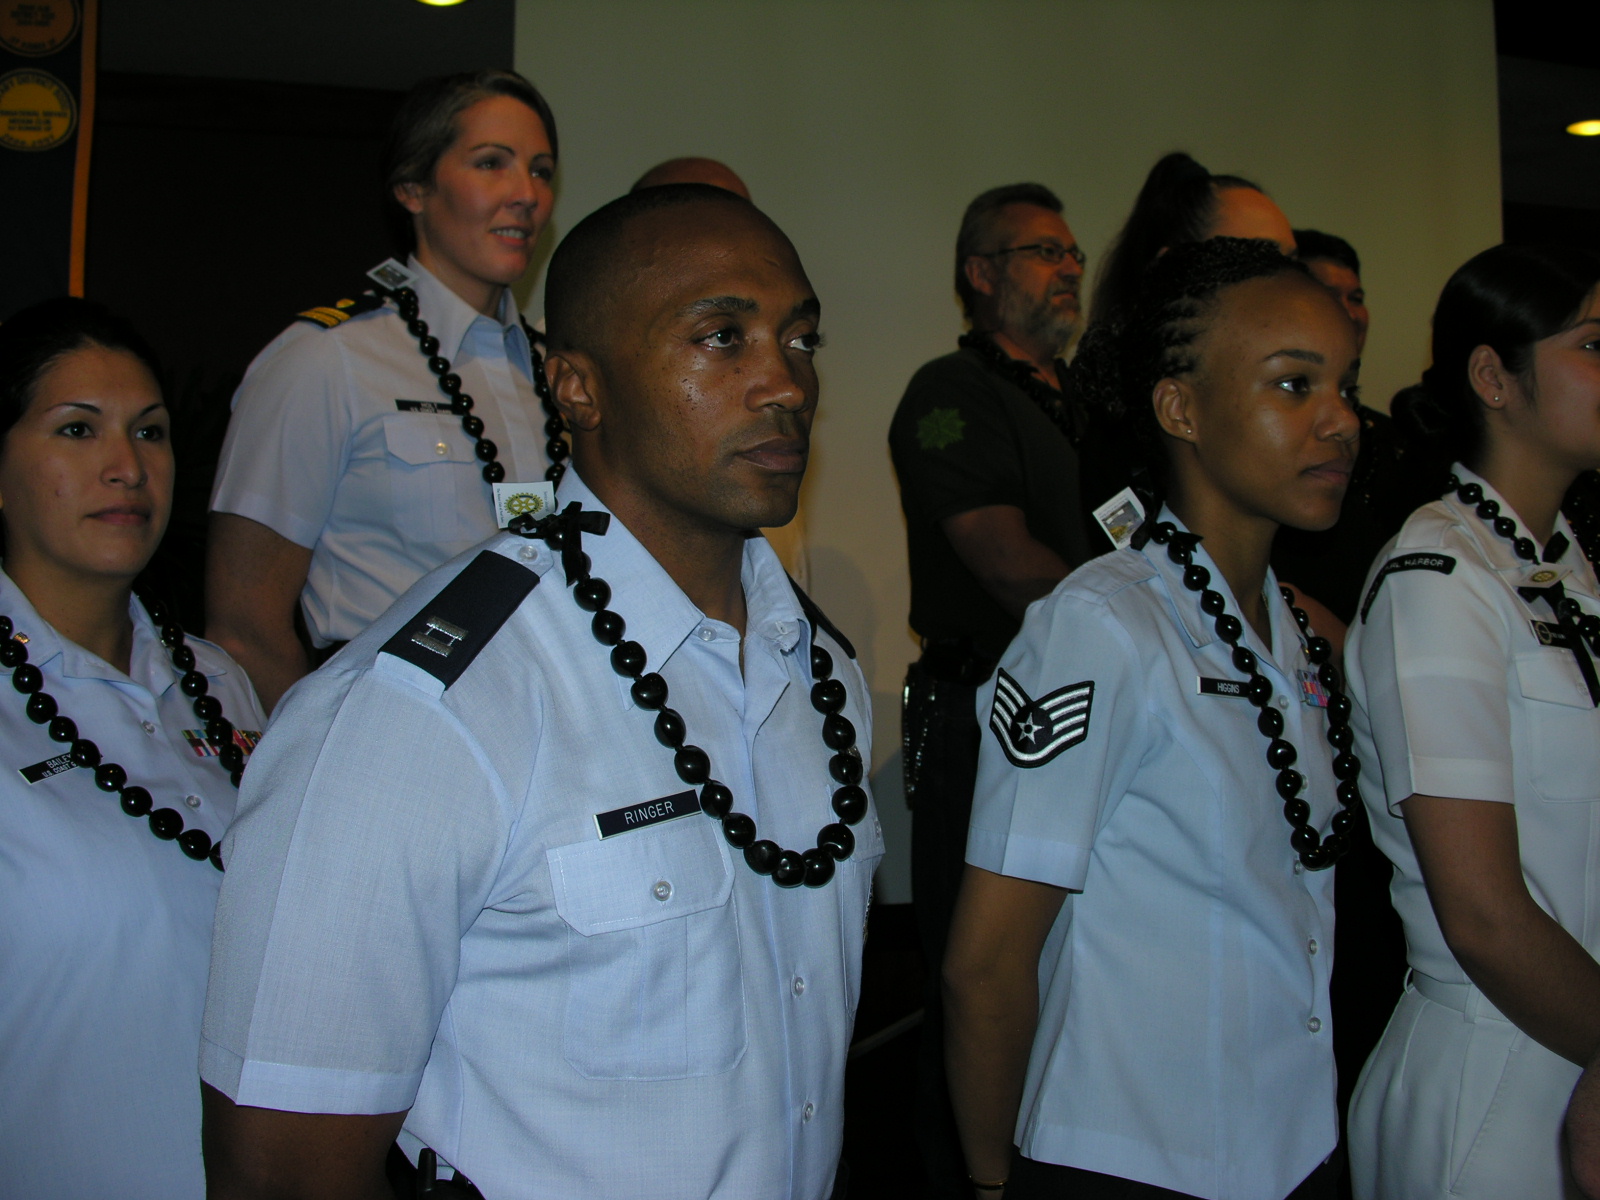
(329, 315)
(819, 619)
(455, 625)
(1426, 560)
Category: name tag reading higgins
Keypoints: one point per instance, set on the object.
(651, 812)
(1221, 687)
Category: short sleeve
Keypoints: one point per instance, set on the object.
(287, 441)
(1432, 650)
(1062, 720)
(353, 869)
(954, 447)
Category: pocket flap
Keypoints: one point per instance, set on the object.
(416, 438)
(641, 877)
(1552, 674)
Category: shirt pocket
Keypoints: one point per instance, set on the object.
(853, 880)
(655, 989)
(430, 459)
(1563, 727)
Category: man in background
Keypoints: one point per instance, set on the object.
(983, 444)
(1334, 263)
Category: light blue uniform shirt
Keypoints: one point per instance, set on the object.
(107, 929)
(1184, 1038)
(330, 446)
(420, 912)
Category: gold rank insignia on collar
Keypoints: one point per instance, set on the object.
(331, 315)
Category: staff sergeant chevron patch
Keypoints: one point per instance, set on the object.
(1032, 732)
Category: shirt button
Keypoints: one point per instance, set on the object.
(808, 1111)
(706, 634)
(527, 553)
(662, 890)
(1283, 703)
(799, 986)
(1299, 867)
(1314, 1025)
(1311, 946)
(441, 449)
(192, 801)
(149, 726)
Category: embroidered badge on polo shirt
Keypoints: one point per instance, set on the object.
(1032, 732)
(1423, 561)
(651, 812)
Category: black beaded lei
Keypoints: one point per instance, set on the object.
(461, 404)
(814, 867)
(165, 823)
(1315, 851)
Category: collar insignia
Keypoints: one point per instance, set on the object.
(439, 635)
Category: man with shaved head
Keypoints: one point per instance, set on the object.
(558, 873)
(692, 170)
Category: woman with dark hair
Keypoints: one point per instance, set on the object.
(367, 438)
(1182, 202)
(1137, 978)
(107, 936)
(1472, 670)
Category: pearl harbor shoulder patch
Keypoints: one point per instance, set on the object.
(1032, 732)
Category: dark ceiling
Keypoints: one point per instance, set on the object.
(1549, 78)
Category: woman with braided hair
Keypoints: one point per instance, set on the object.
(367, 438)
(1138, 973)
(1477, 703)
(123, 743)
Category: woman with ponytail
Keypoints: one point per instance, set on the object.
(1477, 704)
(1137, 978)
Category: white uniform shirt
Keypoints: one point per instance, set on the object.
(335, 446)
(420, 912)
(1184, 1038)
(107, 928)
(1456, 695)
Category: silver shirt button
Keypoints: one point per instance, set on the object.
(441, 449)
(1314, 1024)
(192, 801)
(1283, 703)
(1311, 946)
(662, 890)
(148, 726)
(527, 553)
(799, 986)
(1299, 867)
(808, 1111)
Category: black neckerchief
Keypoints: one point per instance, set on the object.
(1063, 415)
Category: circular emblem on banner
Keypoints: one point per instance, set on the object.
(34, 28)
(524, 504)
(37, 111)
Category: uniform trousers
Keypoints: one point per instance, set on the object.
(941, 755)
(1030, 1180)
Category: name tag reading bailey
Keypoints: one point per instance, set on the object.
(651, 812)
(40, 771)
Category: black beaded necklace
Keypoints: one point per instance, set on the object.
(1579, 627)
(165, 823)
(563, 532)
(1315, 851)
(461, 403)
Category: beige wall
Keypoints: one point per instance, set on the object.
(864, 126)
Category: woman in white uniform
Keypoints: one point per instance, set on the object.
(367, 438)
(123, 742)
(1138, 969)
(1471, 667)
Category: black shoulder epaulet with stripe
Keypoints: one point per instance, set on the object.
(455, 625)
(330, 315)
(819, 620)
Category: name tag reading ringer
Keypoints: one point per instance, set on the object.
(651, 812)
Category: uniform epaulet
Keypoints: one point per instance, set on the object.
(455, 625)
(330, 315)
(819, 619)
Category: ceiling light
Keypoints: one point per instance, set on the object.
(1585, 128)
(441, 3)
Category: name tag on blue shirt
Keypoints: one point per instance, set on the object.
(651, 812)
(424, 406)
(40, 771)
(1551, 634)
(1221, 687)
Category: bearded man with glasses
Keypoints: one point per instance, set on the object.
(984, 444)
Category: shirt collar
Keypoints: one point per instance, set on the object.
(1200, 628)
(1498, 551)
(450, 318)
(150, 665)
(659, 616)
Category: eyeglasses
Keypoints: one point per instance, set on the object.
(1052, 253)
